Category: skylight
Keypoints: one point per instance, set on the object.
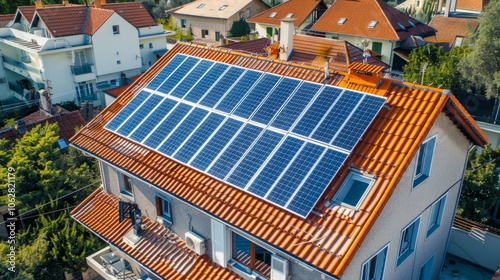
(411, 23)
(353, 190)
(223, 7)
(273, 14)
(401, 26)
(289, 15)
(372, 23)
(341, 21)
(201, 6)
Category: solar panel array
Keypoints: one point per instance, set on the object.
(279, 138)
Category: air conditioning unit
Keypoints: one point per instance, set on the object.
(279, 268)
(195, 242)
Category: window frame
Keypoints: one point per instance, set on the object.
(423, 161)
(436, 215)
(141, 46)
(150, 45)
(123, 183)
(183, 23)
(412, 242)
(346, 186)
(163, 202)
(367, 262)
(116, 29)
(252, 262)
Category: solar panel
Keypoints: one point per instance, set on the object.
(278, 138)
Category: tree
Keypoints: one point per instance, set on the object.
(482, 66)
(240, 28)
(480, 191)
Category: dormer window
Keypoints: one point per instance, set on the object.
(201, 6)
(353, 190)
(341, 21)
(273, 14)
(289, 15)
(223, 7)
(372, 24)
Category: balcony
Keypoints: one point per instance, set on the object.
(83, 72)
(21, 68)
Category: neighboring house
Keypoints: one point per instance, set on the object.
(209, 20)
(6, 19)
(111, 94)
(304, 12)
(81, 49)
(374, 24)
(451, 30)
(274, 170)
(310, 50)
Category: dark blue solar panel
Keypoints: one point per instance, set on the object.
(317, 110)
(275, 166)
(359, 122)
(254, 159)
(223, 85)
(336, 117)
(216, 144)
(234, 152)
(126, 111)
(177, 75)
(256, 95)
(191, 79)
(199, 137)
(296, 105)
(234, 96)
(207, 81)
(316, 182)
(166, 71)
(167, 125)
(182, 131)
(275, 100)
(294, 175)
(139, 114)
(154, 119)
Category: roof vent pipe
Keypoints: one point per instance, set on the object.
(327, 68)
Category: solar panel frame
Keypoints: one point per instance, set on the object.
(127, 110)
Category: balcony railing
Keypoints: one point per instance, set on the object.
(82, 69)
(20, 64)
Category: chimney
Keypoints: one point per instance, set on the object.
(287, 31)
(98, 3)
(38, 4)
(46, 100)
(327, 68)
(65, 2)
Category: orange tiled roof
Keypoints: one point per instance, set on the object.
(299, 8)
(63, 21)
(95, 19)
(5, 19)
(360, 13)
(327, 241)
(448, 28)
(169, 257)
(472, 5)
(27, 12)
(133, 12)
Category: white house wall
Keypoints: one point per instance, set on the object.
(407, 204)
(387, 46)
(116, 52)
(147, 53)
(57, 69)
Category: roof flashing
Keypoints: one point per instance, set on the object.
(353, 190)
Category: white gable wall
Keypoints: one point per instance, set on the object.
(407, 204)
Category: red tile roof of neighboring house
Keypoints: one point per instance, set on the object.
(66, 121)
(257, 46)
(300, 10)
(449, 28)
(133, 12)
(95, 19)
(27, 12)
(63, 21)
(360, 13)
(472, 5)
(327, 241)
(168, 257)
(5, 19)
(115, 92)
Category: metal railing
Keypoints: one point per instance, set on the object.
(20, 64)
(82, 69)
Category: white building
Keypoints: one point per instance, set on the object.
(81, 50)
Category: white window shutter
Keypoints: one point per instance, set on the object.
(279, 268)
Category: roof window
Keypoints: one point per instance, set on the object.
(341, 21)
(273, 14)
(201, 6)
(289, 15)
(223, 7)
(402, 26)
(353, 190)
(372, 23)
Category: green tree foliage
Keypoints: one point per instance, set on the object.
(482, 66)
(440, 67)
(240, 28)
(480, 190)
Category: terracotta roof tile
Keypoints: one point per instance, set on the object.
(169, 257)
(63, 21)
(257, 46)
(95, 19)
(449, 28)
(133, 12)
(360, 13)
(213, 9)
(300, 10)
(5, 19)
(385, 151)
(27, 12)
(472, 5)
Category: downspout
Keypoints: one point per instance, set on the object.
(85, 18)
(471, 145)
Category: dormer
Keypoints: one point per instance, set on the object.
(365, 74)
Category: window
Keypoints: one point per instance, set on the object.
(426, 269)
(372, 24)
(289, 15)
(150, 45)
(353, 190)
(273, 14)
(251, 255)
(269, 32)
(374, 268)
(223, 7)
(201, 6)
(377, 47)
(217, 36)
(341, 21)
(204, 33)
(408, 241)
(85, 91)
(118, 62)
(141, 46)
(424, 161)
(183, 23)
(248, 13)
(126, 186)
(164, 209)
(116, 29)
(436, 215)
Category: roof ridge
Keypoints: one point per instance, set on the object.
(379, 4)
